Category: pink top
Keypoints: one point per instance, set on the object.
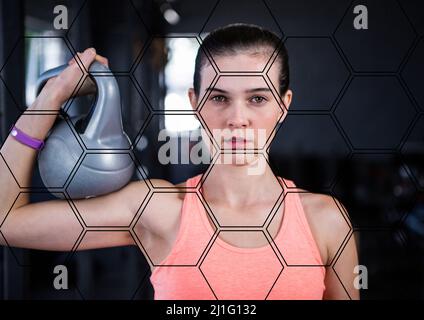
(229, 272)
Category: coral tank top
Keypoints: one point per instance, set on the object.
(201, 265)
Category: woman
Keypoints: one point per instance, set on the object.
(174, 229)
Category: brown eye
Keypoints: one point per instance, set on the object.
(258, 99)
(219, 98)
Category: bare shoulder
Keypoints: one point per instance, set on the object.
(324, 208)
(161, 214)
(328, 221)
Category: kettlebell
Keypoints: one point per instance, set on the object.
(101, 129)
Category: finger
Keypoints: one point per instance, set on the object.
(102, 60)
(87, 57)
(74, 59)
(74, 71)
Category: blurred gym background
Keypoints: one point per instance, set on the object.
(355, 129)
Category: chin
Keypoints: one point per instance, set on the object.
(238, 159)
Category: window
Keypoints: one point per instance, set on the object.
(42, 53)
(178, 78)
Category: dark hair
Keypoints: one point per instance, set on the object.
(239, 37)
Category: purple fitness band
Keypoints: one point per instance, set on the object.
(26, 139)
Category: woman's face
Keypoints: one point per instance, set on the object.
(241, 111)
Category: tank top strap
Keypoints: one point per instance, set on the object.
(190, 224)
(296, 213)
(193, 181)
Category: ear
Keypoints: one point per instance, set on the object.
(193, 98)
(285, 103)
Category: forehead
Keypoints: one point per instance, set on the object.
(240, 83)
(243, 62)
(240, 62)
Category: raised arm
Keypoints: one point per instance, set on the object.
(51, 225)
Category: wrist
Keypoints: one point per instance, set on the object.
(46, 103)
(26, 139)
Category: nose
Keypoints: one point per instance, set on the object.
(238, 116)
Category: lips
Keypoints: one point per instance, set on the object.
(237, 142)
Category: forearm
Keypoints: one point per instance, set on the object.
(21, 158)
(51, 225)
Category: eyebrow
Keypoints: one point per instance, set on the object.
(247, 91)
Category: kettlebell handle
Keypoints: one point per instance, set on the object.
(106, 118)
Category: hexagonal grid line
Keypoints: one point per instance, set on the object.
(92, 230)
(373, 152)
(140, 244)
(105, 227)
(403, 166)
(7, 165)
(408, 132)
(218, 231)
(346, 217)
(319, 35)
(274, 91)
(108, 75)
(403, 157)
(74, 172)
(210, 56)
(344, 57)
(11, 95)
(70, 257)
(408, 55)
(68, 253)
(337, 259)
(321, 109)
(249, 74)
(209, 209)
(245, 152)
(342, 284)
(406, 16)
(67, 44)
(142, 284)
(144, 52)
(340, 131)
(399, 226)
(271, 239)
(408, 93)
(140, 211)
(47, 189)
(141, 50)
(403, 81)
(208, 133)
(140, 131)
(320, 113)
(66, 118)
(335, 262)
(270, 61)
(268, 223)
(272, 212)
(142, 173)
(273, 285)
(177, 113)
(79, 293)
(339, 174)
(401, 236)
(336, 44)
(346, 136)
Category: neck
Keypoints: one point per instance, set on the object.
(241, 185)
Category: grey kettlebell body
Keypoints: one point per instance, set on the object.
(103, 171)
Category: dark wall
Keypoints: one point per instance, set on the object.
(354, 128)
